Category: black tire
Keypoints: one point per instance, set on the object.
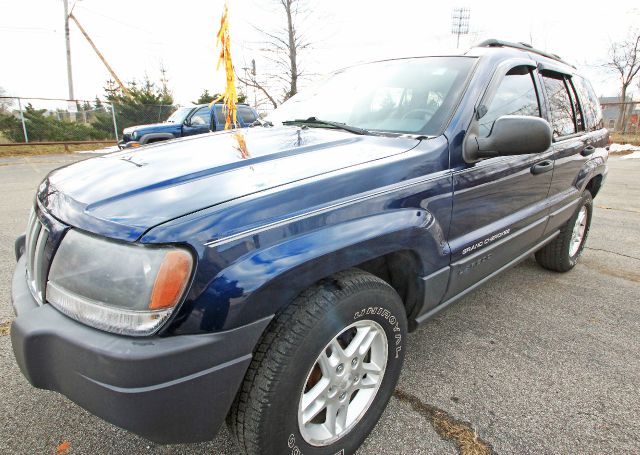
(556, 255)
(264, 416)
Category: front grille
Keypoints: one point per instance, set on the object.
(36, 241)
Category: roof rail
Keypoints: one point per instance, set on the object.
(522, 47)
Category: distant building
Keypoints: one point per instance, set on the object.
(611, 113)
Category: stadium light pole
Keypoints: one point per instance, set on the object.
(460, 23)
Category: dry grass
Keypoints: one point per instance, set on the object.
(447, 427)
(30, 150)
(5, 327)
(618, 138)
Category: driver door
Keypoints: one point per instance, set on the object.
(198, 123)
(499, 204)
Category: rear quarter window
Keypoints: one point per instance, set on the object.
(590, 104)
(560, 104)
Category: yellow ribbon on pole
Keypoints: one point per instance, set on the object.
(230, 96)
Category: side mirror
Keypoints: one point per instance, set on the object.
(510, 135)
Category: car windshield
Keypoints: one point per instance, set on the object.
(411, 96)
(180, 115)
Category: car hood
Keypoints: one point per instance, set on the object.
(124, 194)
(156, 127)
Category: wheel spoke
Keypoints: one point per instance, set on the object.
(341, 418)
(371, 367)
(313, 401)
(366, 343)
(356, 342)
(370, 381)
(328, 363)
(332, 419)
(337, 353)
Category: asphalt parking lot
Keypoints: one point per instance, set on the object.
(533, 362)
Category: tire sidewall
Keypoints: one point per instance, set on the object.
(380, 304)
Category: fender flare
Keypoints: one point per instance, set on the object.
(155, 136)
(593, 169)
(266, 280)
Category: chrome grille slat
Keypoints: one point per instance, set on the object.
(36, 242)
(29, 239)
(38, 264)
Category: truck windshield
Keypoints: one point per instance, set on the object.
(411, 96)
(180, 115)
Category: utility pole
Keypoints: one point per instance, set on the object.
(460, 23)
(68, 43)
(100, 56)
(253, 73)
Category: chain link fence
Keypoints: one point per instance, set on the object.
(29, 120)
(32, 120)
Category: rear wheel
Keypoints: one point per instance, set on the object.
(324, 371)
(563, 252)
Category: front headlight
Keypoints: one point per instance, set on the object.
(121, 288)
(134, 135)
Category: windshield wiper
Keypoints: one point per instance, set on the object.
(317, 121)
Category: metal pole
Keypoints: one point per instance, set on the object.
(115, 125)
(113, 74)
(68, 44)
(24, 125)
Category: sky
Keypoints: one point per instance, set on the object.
(139, 37)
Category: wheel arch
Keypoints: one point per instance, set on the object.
(155, 137)
(594, 184)
(267, 280)
(400, 268)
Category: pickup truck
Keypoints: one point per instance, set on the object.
(270, 276)
(186, 121)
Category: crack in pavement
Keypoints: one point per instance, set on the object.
(612, 252)
(448, 428)
(617, 209)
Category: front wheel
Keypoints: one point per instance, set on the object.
(324, 371)
(563, 252)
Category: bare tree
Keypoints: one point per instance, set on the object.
(281, 47)
(624, 60)
(5, 103)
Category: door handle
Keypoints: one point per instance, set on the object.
(542, 167)
(588, 150)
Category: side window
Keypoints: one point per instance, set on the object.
(561, 105)
(202, 116)
(575, 103)
(590, 104)
(516, 95)
(246, 115)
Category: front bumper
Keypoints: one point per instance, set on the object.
(168, 390)
(131, 144)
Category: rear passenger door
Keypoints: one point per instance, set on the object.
(575, 139)
(499, 204)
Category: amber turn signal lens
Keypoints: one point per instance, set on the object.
(171, 280)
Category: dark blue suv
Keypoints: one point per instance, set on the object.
(186, 121)
(270, 276)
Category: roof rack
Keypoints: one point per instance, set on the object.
(522, 47)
